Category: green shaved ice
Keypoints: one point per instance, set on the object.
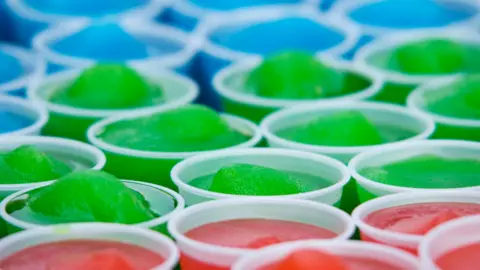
(295, 75)
(349, 128)
(253, 180)
(90, 196)
(27, 164)
(109, 86)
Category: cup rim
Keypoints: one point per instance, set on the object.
(354, 163)
(424, 252)
(391, 41)
(191, 44)
(21, 8)
(273, 152)
(415, 101)
(286, 248)
(231, 251)
(40, 112)
(342, 10)
(98, 126)
(26, 58)
(265, 14)
(320, 106)
(374, 78)
(34, 86)
(402, 199)
(76, 146)
(146, 224)
(99, 227)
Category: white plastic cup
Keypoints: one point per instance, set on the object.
(27, 22)
(448, 237)
(158, 224)
(229, 83)
(280, 159)
(401, 82)
(67, 150)
(408, 242)
(30, 110)
(377, 113)
(351, 249)
(156, 166)
(31, 65)
(303, 211)
(447, 126)
(147, 239)
(394, 153)
(72, 122)
(154, 35)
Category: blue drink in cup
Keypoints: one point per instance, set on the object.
(29, 17)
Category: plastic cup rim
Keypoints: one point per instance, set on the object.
(273, 152)
(353, 164)
(342, 10)
(38, 123)
(286, 248)
(147, 224)
(261, 15)
(100, 159)
(32, 93)
(267, 122)
(402, 199)
(190, 45)
(195, 209)
(25, 57)
(415, 100)
(424, 252)
(391, 41)
(21, 8)
(169, 262)
(375, 84)
(98, 126)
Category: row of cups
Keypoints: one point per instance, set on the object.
(446, 237)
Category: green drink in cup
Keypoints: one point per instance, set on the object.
(253, 89)
(344, 129)
(260, 172)
(416, 166)
(76, 99)
(411, 59)
(453, 103)
(146, 146)
(29, 161)
(91, 196)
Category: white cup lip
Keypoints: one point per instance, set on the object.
(21, 8)
(416, 101)
(76, 146)
(147, 224)
(38, 123)
(267, 152)
(354, 163)
(191, 44)
(26, 58)
(36, 84)
(248, 16)
(403, 199)
(354, 246)
(424, 252)
(376, 83)
(267, 122)
(342, 10)
(226, 203)
(99, 228)
(98, 126)
(391, 41)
